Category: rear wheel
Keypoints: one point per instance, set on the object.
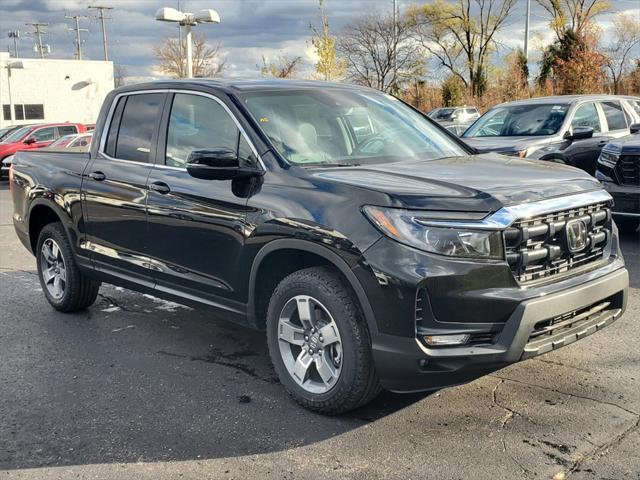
(319, 343)
(64, 286)
(627, 224)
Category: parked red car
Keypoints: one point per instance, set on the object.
(36, 136)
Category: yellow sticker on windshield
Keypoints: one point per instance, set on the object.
(264, 120)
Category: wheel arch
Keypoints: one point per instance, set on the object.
(41, 213)
(307, 250)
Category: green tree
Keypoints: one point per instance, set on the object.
(453, 91)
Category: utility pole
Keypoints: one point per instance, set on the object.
(39, 32)
(77, 30)
(104, 31)
(180, 37)
(526, 31)
(15, 34)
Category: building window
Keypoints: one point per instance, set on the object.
(24, 111)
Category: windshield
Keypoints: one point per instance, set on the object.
(17, 135)
(335, 126)
(445, 113)
(520, 120)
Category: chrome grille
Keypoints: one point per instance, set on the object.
(536, 248)
(628, 169)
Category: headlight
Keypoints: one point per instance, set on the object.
(411, 228)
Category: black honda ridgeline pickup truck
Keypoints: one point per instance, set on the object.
(373, 247)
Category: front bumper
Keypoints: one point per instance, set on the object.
(626, 198)
(405, 365)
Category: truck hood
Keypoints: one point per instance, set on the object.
(505, 144)
(471, 183)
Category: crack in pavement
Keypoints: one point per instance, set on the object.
(568, 394)
(510, 413)
(215, 359)
(598, 449)
(560, 364)
(577, 464)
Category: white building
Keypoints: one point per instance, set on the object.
(48, 90)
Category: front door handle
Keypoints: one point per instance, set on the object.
(97, 176)
(602, 143)
(160, 187)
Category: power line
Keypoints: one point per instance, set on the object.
(39, 32)
(102, 18)
(77, 30)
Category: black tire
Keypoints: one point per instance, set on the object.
(627, 224)
(79, 291)
(358, 383)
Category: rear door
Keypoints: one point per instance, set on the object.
(196, 226)
(616, 119)
(115, 186)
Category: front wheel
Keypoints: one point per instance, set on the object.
(319, 343)
(63, 284)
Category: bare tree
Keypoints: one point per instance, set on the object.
(626, 37)
(206, 59)
(119, 74)
(573, 14)
(380, 54)
(461, 36)
(284, 67)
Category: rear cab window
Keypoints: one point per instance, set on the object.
(616, 119)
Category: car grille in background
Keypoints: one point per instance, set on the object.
(536, 248)
(628, 169)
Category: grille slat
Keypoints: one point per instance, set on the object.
(628, 169)
(536, 248)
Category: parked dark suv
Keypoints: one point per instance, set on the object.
(566, 129)
(619, 171)
(371, 245)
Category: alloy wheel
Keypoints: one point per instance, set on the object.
(310, 344)
(54, 272)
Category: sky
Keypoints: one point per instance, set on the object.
(249, 29)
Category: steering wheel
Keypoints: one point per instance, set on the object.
(378, 138)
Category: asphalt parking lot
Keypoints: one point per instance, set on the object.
(136, 388)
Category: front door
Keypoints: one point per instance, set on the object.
(196, 227)
(584, 153)
(115, 188)
(41, 137)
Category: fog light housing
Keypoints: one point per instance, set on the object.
(446, 340)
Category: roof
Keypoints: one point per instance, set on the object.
(236, 84)
(565, 99)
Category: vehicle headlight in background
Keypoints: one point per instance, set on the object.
(411, 228)
(609, 158)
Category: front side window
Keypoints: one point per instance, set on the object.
(336, 126)
(587, 116)
(44, 134)
(519, 120)
(137, 127)
(614, 115)
(198, 123)
(17, 135)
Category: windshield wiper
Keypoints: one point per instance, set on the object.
(331, 164)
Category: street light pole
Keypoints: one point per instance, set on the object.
(526, 31)
(188, 20)
(189, 52)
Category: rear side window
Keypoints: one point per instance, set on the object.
(587, 116)
(137, 126)
(67, 130)
(614, 115)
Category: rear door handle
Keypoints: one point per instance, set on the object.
(160, 187)
(97, 176)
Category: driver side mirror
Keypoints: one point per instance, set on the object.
(579, 133)
(218, 164)
(634, 128)
(30, 141)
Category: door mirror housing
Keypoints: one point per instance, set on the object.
(30, 141)
(218, 164)
(579, 133)
(634, 128)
